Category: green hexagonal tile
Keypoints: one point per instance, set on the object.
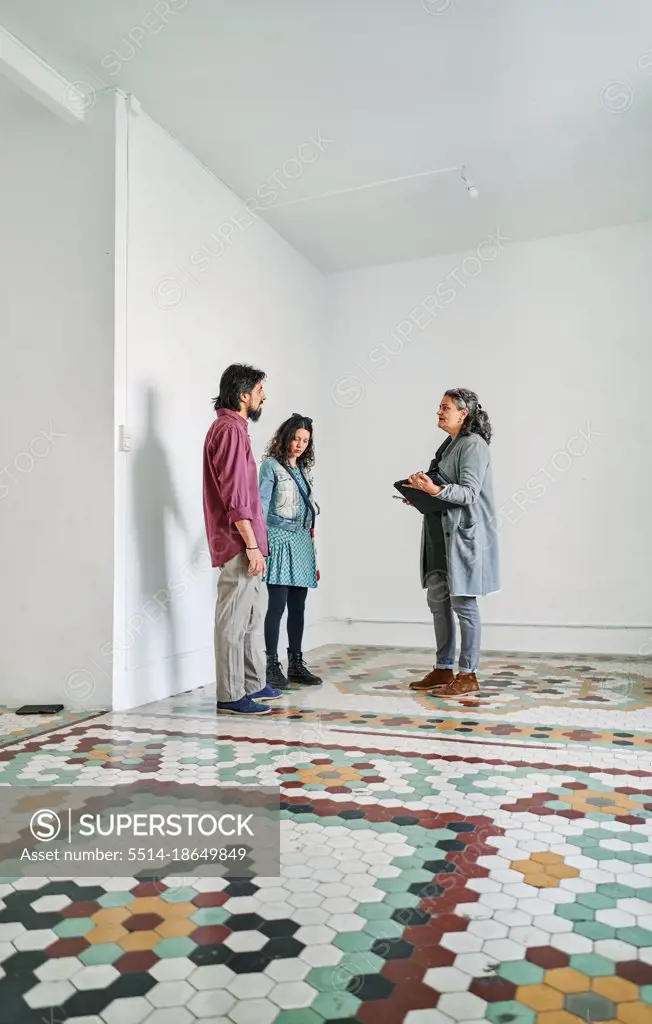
(333, 1005)
(384, 929)
(398, 900)
(101, 953)
(116, 899)
(593, 964)
(645, 993)
(73, 927)
(185, 895)
(515, 1013)
(174, 948)
(594, 930)
(596, 900)
(304, 1016)
(635, 936)
(209, 915)
(520, 972)
(575, 912)
(374, 911)
(352, 941)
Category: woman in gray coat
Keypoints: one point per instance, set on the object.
(459, 544)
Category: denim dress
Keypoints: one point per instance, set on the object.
(292, 561)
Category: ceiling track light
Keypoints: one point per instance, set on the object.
(468, 184)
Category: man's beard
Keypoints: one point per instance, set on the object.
(255, 414)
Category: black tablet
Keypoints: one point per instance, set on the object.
(425, 503)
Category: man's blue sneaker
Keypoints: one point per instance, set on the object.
(268, 693)
(245, 707)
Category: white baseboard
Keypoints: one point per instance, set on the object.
(149, 683)
(167, 678)
(545, 638)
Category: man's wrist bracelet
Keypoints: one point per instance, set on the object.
(252, 549)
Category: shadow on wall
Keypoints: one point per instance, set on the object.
(155, 506)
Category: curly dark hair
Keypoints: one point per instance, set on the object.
(279, 445)
(477, 422)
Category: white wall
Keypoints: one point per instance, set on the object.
(56, 326)
(553, 335)
(258, 302)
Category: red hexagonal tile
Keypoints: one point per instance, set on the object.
(210, 935)
(143, 922)
(493, 990)
(137, 961)
(635, 971)
(546, 956)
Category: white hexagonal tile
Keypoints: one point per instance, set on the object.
(40, 939)
(311, 915)
(447, 979)
(58, 968)
(212, 1003)
(488, 929)
(615, 918)
(49, 993)
(246, 942)
(341, 923)
(572, 943)
(255, 1011)
(291, 995)
(462, 942)
(174, 1015)
(462, 1006)
(10, 931)
(170, 993)
(214, 976)
(315, 935)
(44, 904)
(287, 969)
(275, 911)
(251, 986)
(97, 976)
(175, 969)
(477, 964)
(321, 956)
(305, 899)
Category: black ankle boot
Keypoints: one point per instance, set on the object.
(298, 671)
(275, 675)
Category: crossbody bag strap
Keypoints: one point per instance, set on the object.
(305, 494)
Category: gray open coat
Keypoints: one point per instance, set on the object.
(469, 518)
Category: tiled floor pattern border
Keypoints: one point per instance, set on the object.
(428, 877)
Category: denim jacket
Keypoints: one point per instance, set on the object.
(282, 503)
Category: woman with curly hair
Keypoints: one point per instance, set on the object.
(286, 494)
(459, 547)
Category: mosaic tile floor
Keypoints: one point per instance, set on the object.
(15, 727)
(440, 863)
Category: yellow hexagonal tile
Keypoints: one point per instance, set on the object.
(106, 933)
(618, 990)
(176, 928)
(146, 905)
(110, 916)
(635, 1013)
(567, 980)
(559, 1017)
(525, 866)
(174, 911)
(140, 940)
(542, 881)
(562, 871)
(546, 858)
(540, 997)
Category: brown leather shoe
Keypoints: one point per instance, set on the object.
(463, 684)
(436, 678)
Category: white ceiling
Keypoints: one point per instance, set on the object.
(511, 88)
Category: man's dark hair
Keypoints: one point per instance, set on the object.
(237, 379)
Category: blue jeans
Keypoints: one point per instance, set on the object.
(444, 607)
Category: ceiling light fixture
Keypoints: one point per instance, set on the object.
(468, 184)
